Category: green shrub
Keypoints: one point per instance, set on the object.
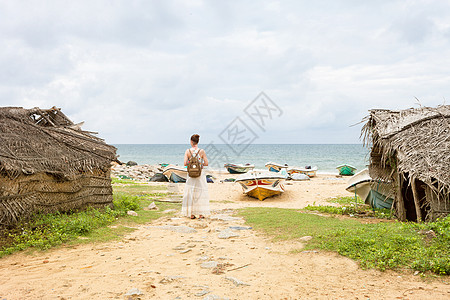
(124, 202)
(43, 231)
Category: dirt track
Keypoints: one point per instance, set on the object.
(178, 258)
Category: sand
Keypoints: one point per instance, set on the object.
(172, 257)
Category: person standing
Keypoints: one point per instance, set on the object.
(196, 196)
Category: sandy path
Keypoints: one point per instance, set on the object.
(163, 260)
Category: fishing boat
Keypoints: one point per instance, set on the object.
(378, 200)
(310, 171)
(238, 168)
(261, 184)
(299, 177)
(346, 170)
(274, 167)
(376, 193)
(175, 173)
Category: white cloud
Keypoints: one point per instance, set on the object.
(155, 72)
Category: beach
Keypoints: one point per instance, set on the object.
(178, 258)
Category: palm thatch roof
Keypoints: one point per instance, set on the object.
(413, 142)
(46, 141)
(48, 164)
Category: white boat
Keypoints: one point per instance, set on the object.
(373, 192)
(275, 167)
(299, 177)
(361, 182)
(261, 184)
(311, 171)
(238, 168)
(175, 173)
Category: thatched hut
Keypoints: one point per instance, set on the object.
(48, 164)
(411, 148)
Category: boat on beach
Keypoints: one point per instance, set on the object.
(175, 173)
(261, 184)
(376, 193)
(346, 170)
(238, 168)
(275, 167)
(310, 171)
(299, 177)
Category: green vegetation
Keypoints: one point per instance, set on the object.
(123, 181)
(381, 245)
(44, 231)
(141, 190)
(346, 200)
(350, 208)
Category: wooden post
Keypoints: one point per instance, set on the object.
(416, 200)
(400, 203)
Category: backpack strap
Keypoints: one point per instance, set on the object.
(196, 152)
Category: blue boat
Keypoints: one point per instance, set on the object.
(274, 167)
(378, 200)
(375, 193)
(175, 173)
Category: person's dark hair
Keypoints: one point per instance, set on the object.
(195, 138)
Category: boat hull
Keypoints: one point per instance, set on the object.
(362, 189)
(238, 169)
(176, 174)
(177, 178)
(310, 172)
(378, 200)
(274, 167)
(346, 170)
(263, 193)
(261, 185)
(374, 193)
(262, 188)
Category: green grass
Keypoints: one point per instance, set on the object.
(382, 245)
(221, 201)
(353, 211)
(123, 181)
(346, 200)
(349, 207)
(44, 231)
(142, 189)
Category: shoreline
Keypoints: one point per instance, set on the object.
(144, 172)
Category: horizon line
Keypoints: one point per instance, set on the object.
(240, 144)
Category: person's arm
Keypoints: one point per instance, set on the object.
(186, 157)
(205, 159)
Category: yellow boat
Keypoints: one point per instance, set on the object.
(261, 184)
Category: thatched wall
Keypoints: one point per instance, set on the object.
(49, 164)
(411, 148)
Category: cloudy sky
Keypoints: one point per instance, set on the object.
(158, 71)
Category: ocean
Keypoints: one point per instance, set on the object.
(325, 156)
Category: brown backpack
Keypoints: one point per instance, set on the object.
(194, 166)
